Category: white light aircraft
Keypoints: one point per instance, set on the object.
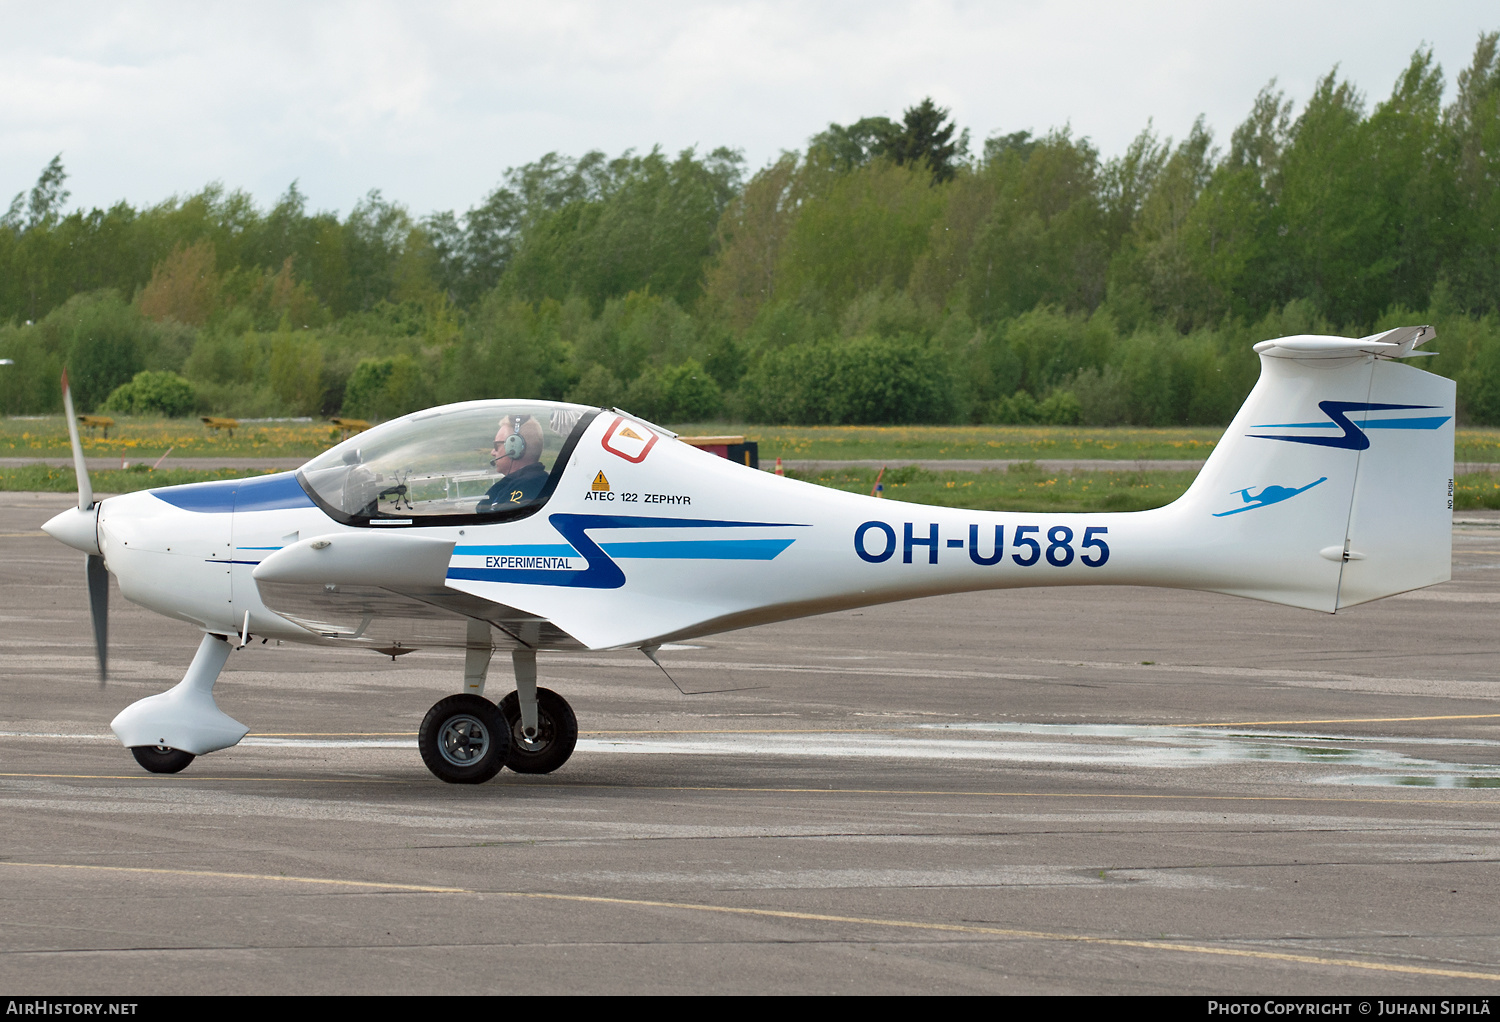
(581, 529)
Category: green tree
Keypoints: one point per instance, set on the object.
(925, 138)
(148, 393)
(679, 393)
(511, 349)
(689, 393)
(1043, 236)
(1337, 249)
(102, 341)
(387, 254)
(1234, 231)
(847, 147)
(1473, 124)
(597, 386)
(43, 207)
(383, 388)
(858, 232)
(296, 371)
(751, 234)
(866, 380)
(643, 223)
(185, 286)
(639, 330)
(1157, 266)
(1047, 346)
(1414, 184)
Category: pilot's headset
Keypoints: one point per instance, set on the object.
(515, 444)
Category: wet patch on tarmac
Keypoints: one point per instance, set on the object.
(1361, 760)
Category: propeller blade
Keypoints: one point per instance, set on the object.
(80, 467)
(98, 577)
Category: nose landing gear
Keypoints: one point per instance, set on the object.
(161, 729)
(160, 759)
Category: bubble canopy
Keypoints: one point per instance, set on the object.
(479, 460)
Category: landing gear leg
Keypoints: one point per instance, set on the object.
(543, 729)
(525, 664)
(166, 731)
(464, 738)
(477, 654)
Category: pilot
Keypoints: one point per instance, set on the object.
(517, 457)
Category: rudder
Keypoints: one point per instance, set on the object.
(1400, 534)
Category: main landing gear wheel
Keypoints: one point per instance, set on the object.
(464, 739)
(160, 759)
(556, 733)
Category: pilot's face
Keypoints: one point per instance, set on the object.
(504, 463)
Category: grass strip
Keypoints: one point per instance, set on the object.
(143, 438)
(1024, 487)
(61, 480)
(1027, 443)
(1027, 487)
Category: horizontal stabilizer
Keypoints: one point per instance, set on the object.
(1397, 343)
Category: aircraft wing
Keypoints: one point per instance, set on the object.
(387, 592)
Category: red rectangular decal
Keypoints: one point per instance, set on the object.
(628, 440)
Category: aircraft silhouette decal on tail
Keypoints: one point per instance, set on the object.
(1266, 497)
(1354, 438)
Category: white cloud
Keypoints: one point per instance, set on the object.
(432, 102)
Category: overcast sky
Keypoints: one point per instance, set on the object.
(431, 102)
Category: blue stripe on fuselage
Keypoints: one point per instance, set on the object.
(601, 572)
(682, 549)
(701, 549)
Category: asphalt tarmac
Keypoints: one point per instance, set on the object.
(1067, 791)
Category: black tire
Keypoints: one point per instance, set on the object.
(464, 739)
(557, 733)
(159, 759)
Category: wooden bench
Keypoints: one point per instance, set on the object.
(348, 427)
(218, 423)
(93, 422)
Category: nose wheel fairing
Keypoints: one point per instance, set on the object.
(185, 717)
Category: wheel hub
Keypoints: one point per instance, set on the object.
(538, 738)
(464, 740)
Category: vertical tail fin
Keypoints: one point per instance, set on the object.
(1333, 484)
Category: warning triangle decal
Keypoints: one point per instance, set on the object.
(601, 484)
(624, 441)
